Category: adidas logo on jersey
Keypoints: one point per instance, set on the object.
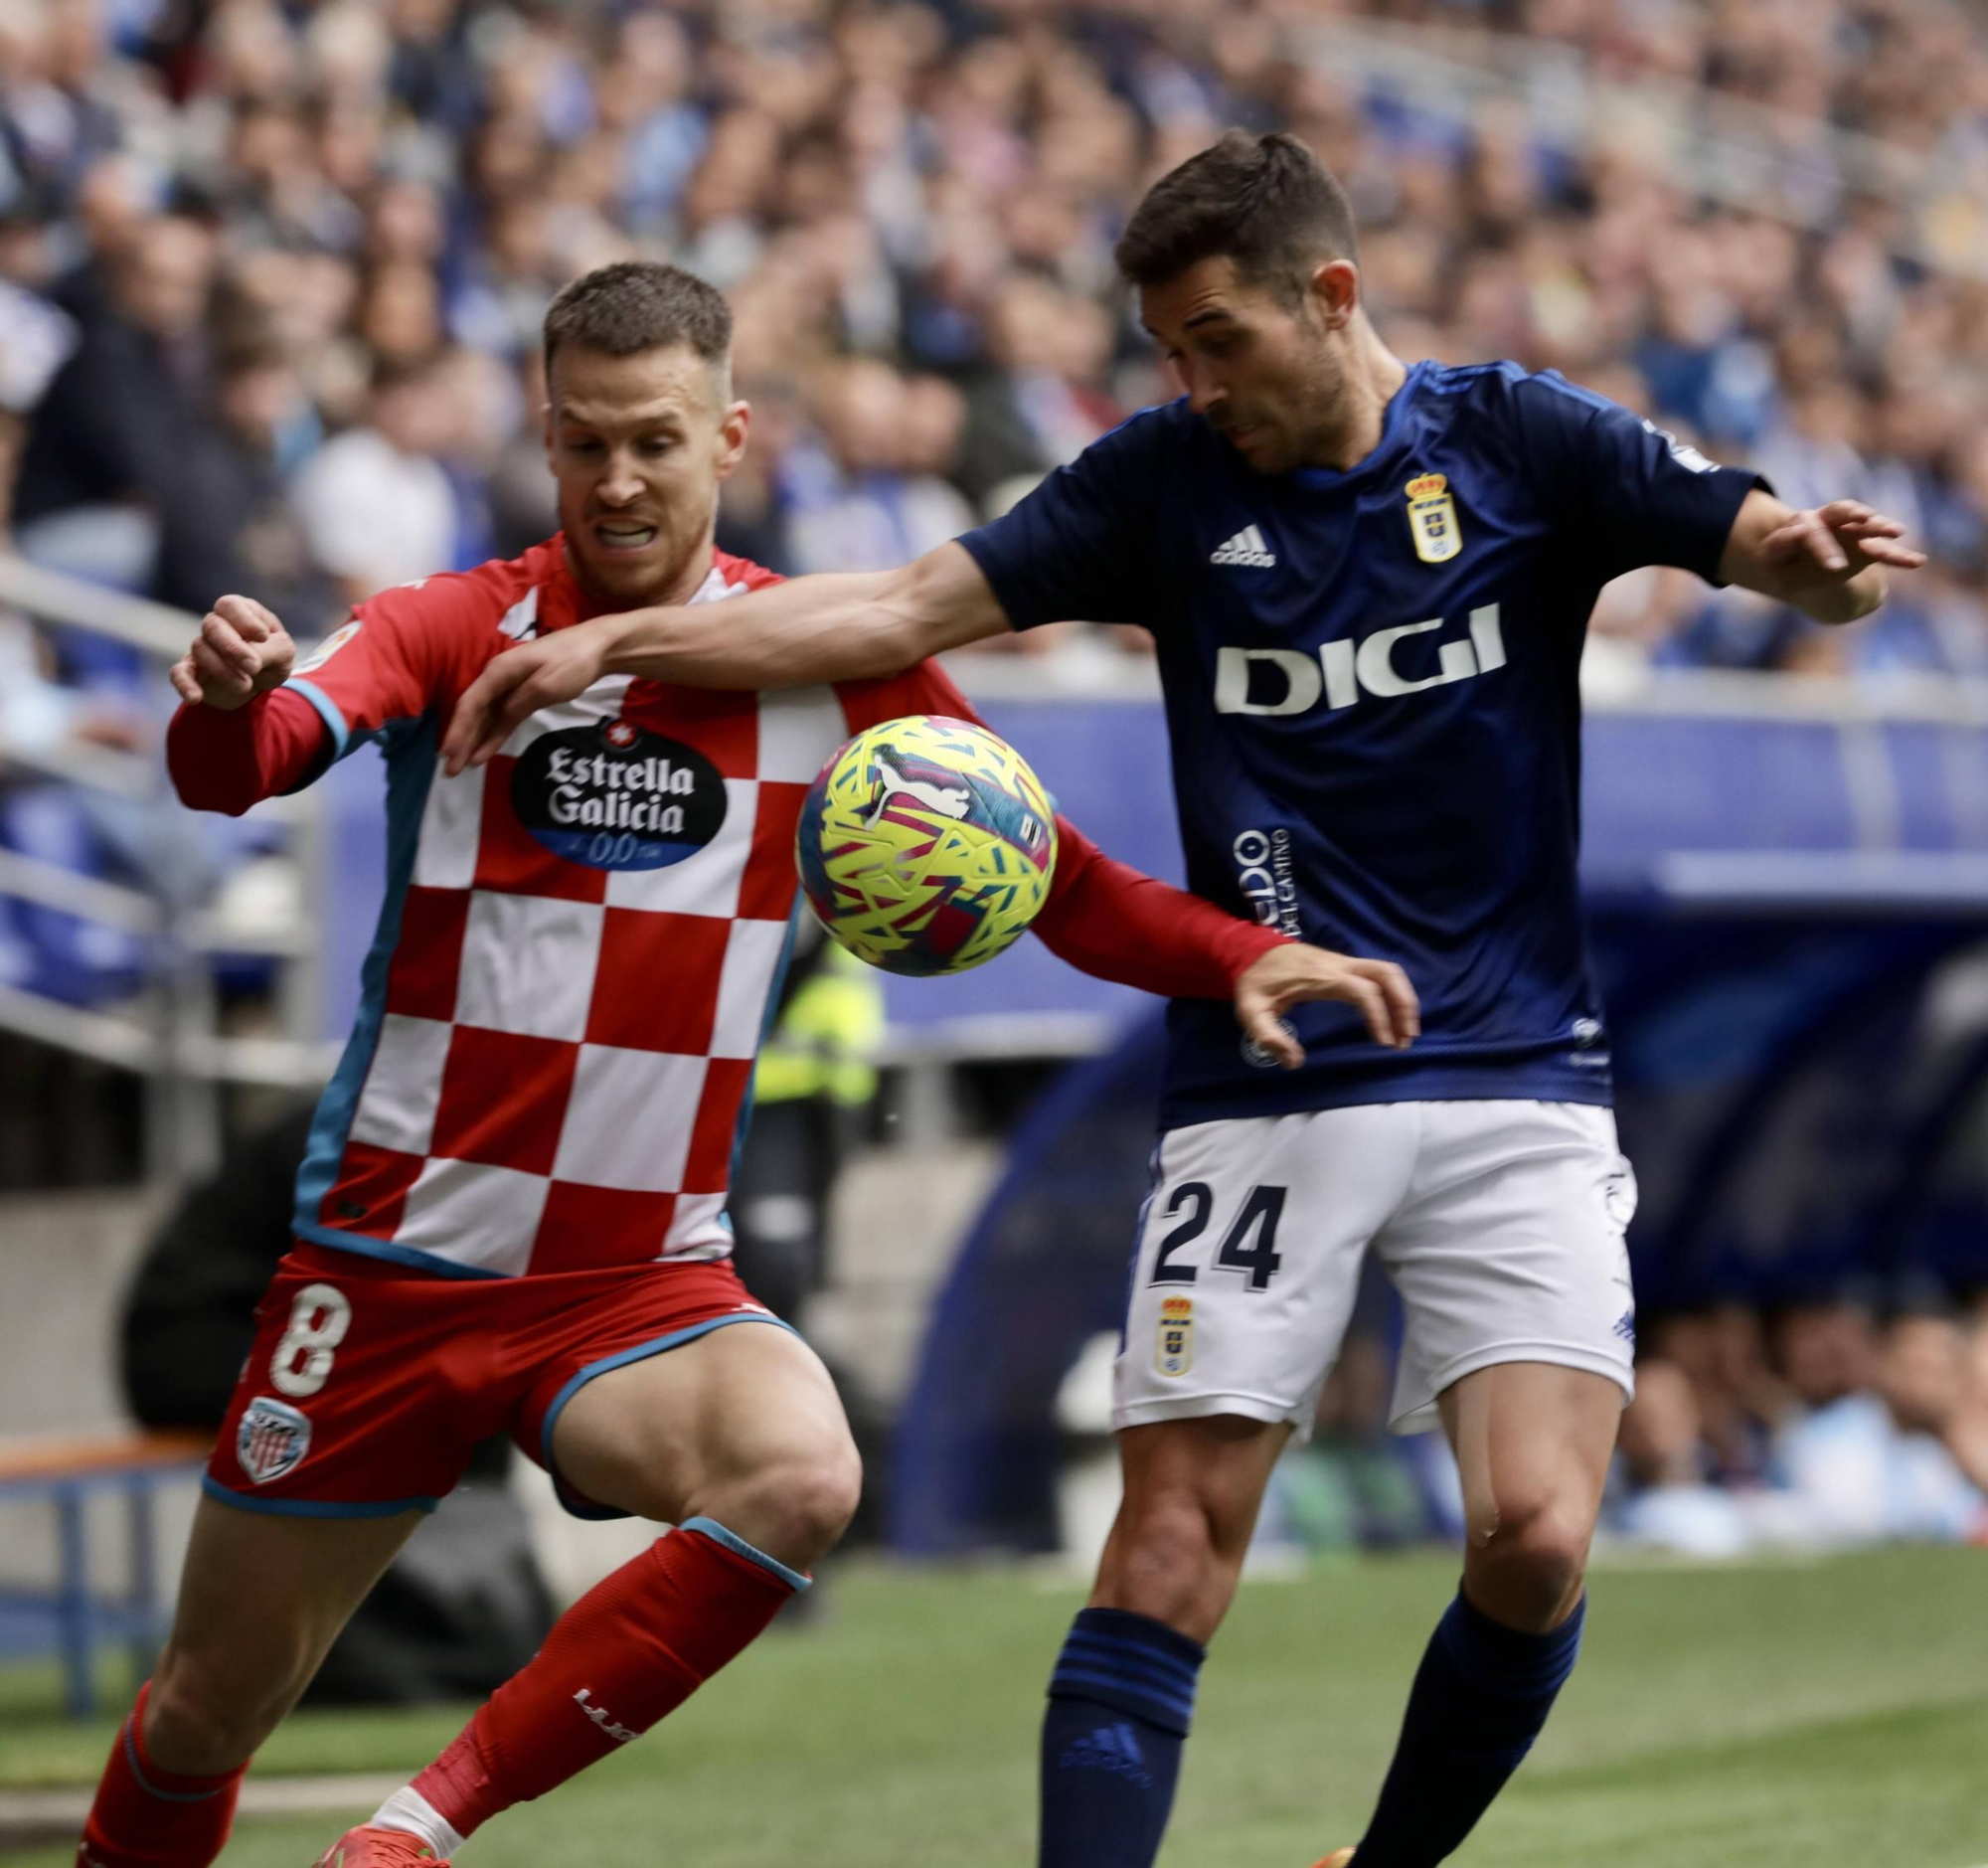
(1115, 1748)
(1247, 547)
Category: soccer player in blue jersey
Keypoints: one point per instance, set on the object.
(1368, 584)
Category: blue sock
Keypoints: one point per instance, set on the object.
(1480, 1699)
(1120, 1703)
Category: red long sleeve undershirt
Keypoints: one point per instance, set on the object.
(1110, 920)
(226, 762)
(1103, 918)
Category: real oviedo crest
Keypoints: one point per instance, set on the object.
(1432, 519)
(614, 796)
(1174, 1353)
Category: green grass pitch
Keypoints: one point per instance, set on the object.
(1775, 1717)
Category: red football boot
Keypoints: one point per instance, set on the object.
(378, 1848)
(1342, 1859)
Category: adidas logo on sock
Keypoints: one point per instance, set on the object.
(1247, 547)
(1113, 1748)
(620, 1734)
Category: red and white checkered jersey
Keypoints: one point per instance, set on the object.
(581, 939)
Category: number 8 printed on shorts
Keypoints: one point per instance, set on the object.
(320, 1318)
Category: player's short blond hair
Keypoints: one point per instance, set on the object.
(635, 306)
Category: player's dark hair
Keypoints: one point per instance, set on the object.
(1265, 202)
(635, 306)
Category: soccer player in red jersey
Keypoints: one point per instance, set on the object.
(513, 1202)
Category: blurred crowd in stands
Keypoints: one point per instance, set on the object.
(271, 271)
(1822, 1423)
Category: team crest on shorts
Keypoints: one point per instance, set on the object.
(1432, 519)
(272, 1439)
(1175, 1354)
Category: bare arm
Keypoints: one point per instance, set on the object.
(1830, 563)
(834, 626)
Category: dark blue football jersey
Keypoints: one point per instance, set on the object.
(1371, 688)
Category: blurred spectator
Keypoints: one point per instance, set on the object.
(1832, 1451)
(857, 497)
(1865, 1455)
(104, 443)
(1671, 1502)
(375, 501)
(1922, 1376)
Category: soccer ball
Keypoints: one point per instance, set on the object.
(926, 845)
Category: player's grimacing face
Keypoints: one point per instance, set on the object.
(638, 447)
(1265, 372)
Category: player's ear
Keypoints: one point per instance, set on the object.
(1335, 291)
(732, 426)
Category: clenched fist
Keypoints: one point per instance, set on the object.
(243, 650)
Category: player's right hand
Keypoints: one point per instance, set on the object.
(1296, 972)
(241, 650)
(514, 686)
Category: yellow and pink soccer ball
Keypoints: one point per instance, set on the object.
(926, 845)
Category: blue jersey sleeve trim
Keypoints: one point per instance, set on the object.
(327, 711)
(311, 1507)
(408, 782)
(739, 1547)
(146, 1784)
(576, 1504)
(767, 1021)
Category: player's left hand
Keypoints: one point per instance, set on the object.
(1815, 551)
(513, 687)
(1294, 974)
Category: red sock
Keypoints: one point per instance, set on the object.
(632, 1649)
(145, 1818)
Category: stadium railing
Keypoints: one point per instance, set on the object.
(169, 1032)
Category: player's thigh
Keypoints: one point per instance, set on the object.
(1533, 1443)
(1511, 1249)
(1247, 1261)
(737, 1412)
(262, 1596)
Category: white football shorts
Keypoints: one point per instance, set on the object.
(1500, 1223)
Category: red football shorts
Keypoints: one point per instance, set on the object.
(367, 1387)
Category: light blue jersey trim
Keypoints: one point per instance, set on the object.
(656, 1346)
(767, 1021)
(362, 1247)
(739, 1547)
(410, 769)
(311, 1507)
(146, 1784)
(327, 711)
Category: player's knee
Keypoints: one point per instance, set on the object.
(1537, 1558)
(795, 1505)
(1164, 1563)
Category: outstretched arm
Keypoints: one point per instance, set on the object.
(833, 626)
(1113, 921)
(1828, 563)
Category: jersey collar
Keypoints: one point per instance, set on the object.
(1327, 479)
(578, 606)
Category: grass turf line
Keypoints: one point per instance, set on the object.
(1764, 1717)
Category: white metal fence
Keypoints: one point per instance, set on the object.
(169, 1032)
